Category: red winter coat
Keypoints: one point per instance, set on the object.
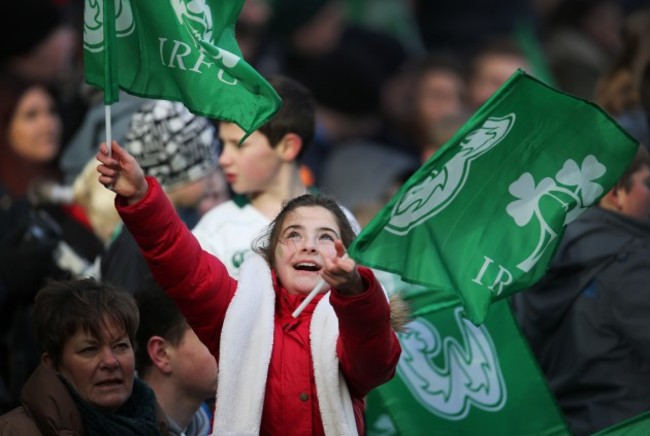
(367, 348)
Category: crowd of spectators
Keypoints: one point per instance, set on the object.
(391, 82)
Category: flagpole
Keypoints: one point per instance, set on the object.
(309, 297)
(111, 91)
(107, 123)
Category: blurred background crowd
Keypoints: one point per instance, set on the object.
(392, 79)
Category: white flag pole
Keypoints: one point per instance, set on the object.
(107, 123)
(309, 297)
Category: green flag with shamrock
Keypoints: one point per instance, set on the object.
(455, 378)
(483, 216)
(180, 50)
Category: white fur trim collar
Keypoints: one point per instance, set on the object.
(245, 353)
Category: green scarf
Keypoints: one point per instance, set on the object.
(137, 416)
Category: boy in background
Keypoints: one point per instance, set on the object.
(174, 363)
(264, 172)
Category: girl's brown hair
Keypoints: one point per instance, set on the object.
(265, 244)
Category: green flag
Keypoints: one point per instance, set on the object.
(180, 50)
(483, 216)
(637, 426)
(455, 378)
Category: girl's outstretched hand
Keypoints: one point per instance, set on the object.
(341, 273)
(121, 173)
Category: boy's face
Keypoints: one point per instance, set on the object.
(492, 71)
(252, 167)
(636, 201)
(194, 367)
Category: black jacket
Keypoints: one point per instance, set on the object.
(588, 320)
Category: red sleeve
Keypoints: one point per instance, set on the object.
(368, 348)
(197, 281)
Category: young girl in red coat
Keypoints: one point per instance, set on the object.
(278, 375)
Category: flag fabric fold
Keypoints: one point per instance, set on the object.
(180, 50)
(482, 218)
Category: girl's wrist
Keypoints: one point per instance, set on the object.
(140, 193)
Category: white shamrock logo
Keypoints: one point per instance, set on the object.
(574, 187)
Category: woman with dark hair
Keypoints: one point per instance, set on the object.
(41, 236)
(86, 381)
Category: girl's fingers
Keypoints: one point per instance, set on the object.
(340, 248)
(105, 180)
(118, 151)
(106, 170)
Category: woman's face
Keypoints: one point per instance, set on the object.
(35, 129)
(306, 238)
(100, 369)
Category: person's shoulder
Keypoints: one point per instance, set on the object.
(18, 422)
(223, 212)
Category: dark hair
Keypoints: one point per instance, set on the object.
(440, 61)
(45, 17)
(265, 244)
(296, 115)
(635, 35)
(641, 159)
(620, 88)
(645, 93)
(159, 316)
(12, 89)
(572, 13)
(62, 307)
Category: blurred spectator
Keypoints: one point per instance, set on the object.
(216, 192)
(180, 150)
(344, 65)
(581, 40)
(587, 320)
(41, 233)
(251, 31)
(619, 91)
(645, 92)
(461, 26)
(394, 17)
(304, 31)
(491, 65)
(41, 41)
(173, 362)
(440, 99)
(360, 174)
(46, 50)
